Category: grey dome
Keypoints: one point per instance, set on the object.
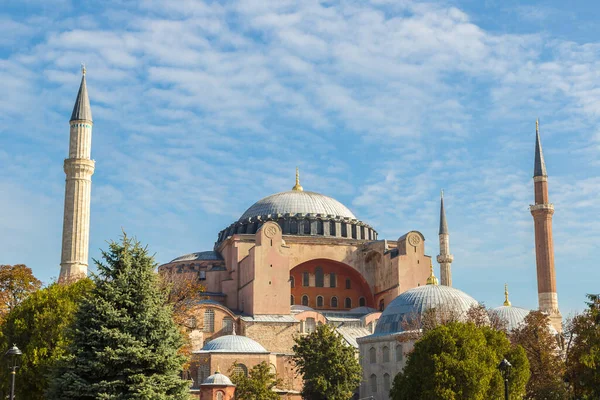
(217, 379)
(298, 202)
(416, 301)
(233, 344)
(513, 316)
(200, 256)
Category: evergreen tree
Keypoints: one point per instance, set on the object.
(124, 340)
(328, 365)
(38, 326)
(460, 361)
(258, 385)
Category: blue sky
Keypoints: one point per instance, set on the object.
(202, 108)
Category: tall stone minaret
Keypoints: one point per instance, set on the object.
(445, 258)
(542, 212)
(79, 168)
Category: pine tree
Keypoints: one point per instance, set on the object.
(124, 339)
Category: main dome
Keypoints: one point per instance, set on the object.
(414, 302)
(295, 202)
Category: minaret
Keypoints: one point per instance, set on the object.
(79, 168)
(542, 212)
(445, 258)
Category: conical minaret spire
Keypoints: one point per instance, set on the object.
(444, 258)
(79, 168)
(542, 212)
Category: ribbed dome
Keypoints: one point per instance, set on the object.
(416, 301)
(513, 316)
(233, 344)
(200, 256)
(217, 379)
(298, 202)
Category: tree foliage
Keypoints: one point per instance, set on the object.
(38, 326)
(124, 339)
(329, 366)
(16, 283)
(258, 385)
(460, 361)
(583, 352)
(546, 363)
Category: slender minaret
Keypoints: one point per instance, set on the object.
(445, 258)
(542, 212)
(79, 168)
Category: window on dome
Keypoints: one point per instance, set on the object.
(362, 302)
(291, 281)
(373, 383)
(319, 301)
(209, 321)
(227, 324)
(294, 227)
(307, 227)
(311, 325)
(372, 355)
(353, 231)
(348, 283)
(334, 302)
(240, 369)
(344, 230)
(332, 280)
(319, 277)
(292, 299)
(319, 227)
(386, 382)
(386, 354)
(305, 300)
(348, 302)
(332, 228)
(305, 279)
(399, 353)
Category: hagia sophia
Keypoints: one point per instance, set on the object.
(295, 260)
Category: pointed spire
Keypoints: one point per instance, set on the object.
(82, 110)
(297, 186)
(506, 301)
(432, 280)
(443, 223)
(539, 168)
(218, 371)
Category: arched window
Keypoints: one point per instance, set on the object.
(332, 280)
(344, 230)
(362, 302)
(227, 324)
(305, 300)
(305, 279)
(381, 305)
(293, 227)
(386, 354)
(292, 299)
(319, 227)
(307, 226)
(386, 382)
(373, 383)
(332, 228)
(334, 302)
(319, 301)
(353, 231)
(348, 283)
(372, 355)
(292, 283)
(399, 353)
(209, 320)
(203, 373)
(240, 369)
(319, 277)
(220, 395)
(348, 302)
(311, 325)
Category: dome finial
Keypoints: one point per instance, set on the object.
(297, 186)
(506, 301)
(83, 69)
(218, 371)
(432, 280)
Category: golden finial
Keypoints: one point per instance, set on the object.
(218, 370)
(83, 69)
(506, 301)
(537, 125)
(432, 280)
(297, 186)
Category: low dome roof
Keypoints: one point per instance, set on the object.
(414, 302)
(217, 379)
(513, 316)
(233, 344)
(199, 256)
(298, 202)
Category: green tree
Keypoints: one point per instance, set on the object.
(16, 283)
(258, 385)
(460, 361)
(329, 367)
(583, 351)
(38, 326)
(125, 342)
(546, 363)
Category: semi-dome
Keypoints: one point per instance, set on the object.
(414, 302)
(233, 344)
(513, 316)
(218, 379)
(199, 256)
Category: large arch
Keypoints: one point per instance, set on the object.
(336, 272)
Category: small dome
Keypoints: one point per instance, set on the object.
(233, 344)
(217, 379)
(200, 256)
(513, 316)
(298, 202)
(416, 301)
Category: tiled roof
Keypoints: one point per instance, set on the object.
(350, 334)
(268, 318)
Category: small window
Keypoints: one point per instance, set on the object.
(332, 228)
(348, 283)
(399, 353)
(334, 302)
(332, 280)
(220, 395)
(305, 279)
(386, 382)
(353, 231)
(203, 373)
(305, 300)
(344, 230)
(209, 321)
(361, 302)
(311, 325)
(227, 324)
(240, 369)
(307, 227)
(372, 355)
(319, 301)
(381, 305)
(319, 227)
(373, 383)
(294, 227)
(319, 277)
(291, 281)
(386, 354)
(292, 299)
(348, 302)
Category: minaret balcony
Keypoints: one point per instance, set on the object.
(544, 206)
(445, 258)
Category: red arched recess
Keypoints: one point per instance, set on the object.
(359, 288)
